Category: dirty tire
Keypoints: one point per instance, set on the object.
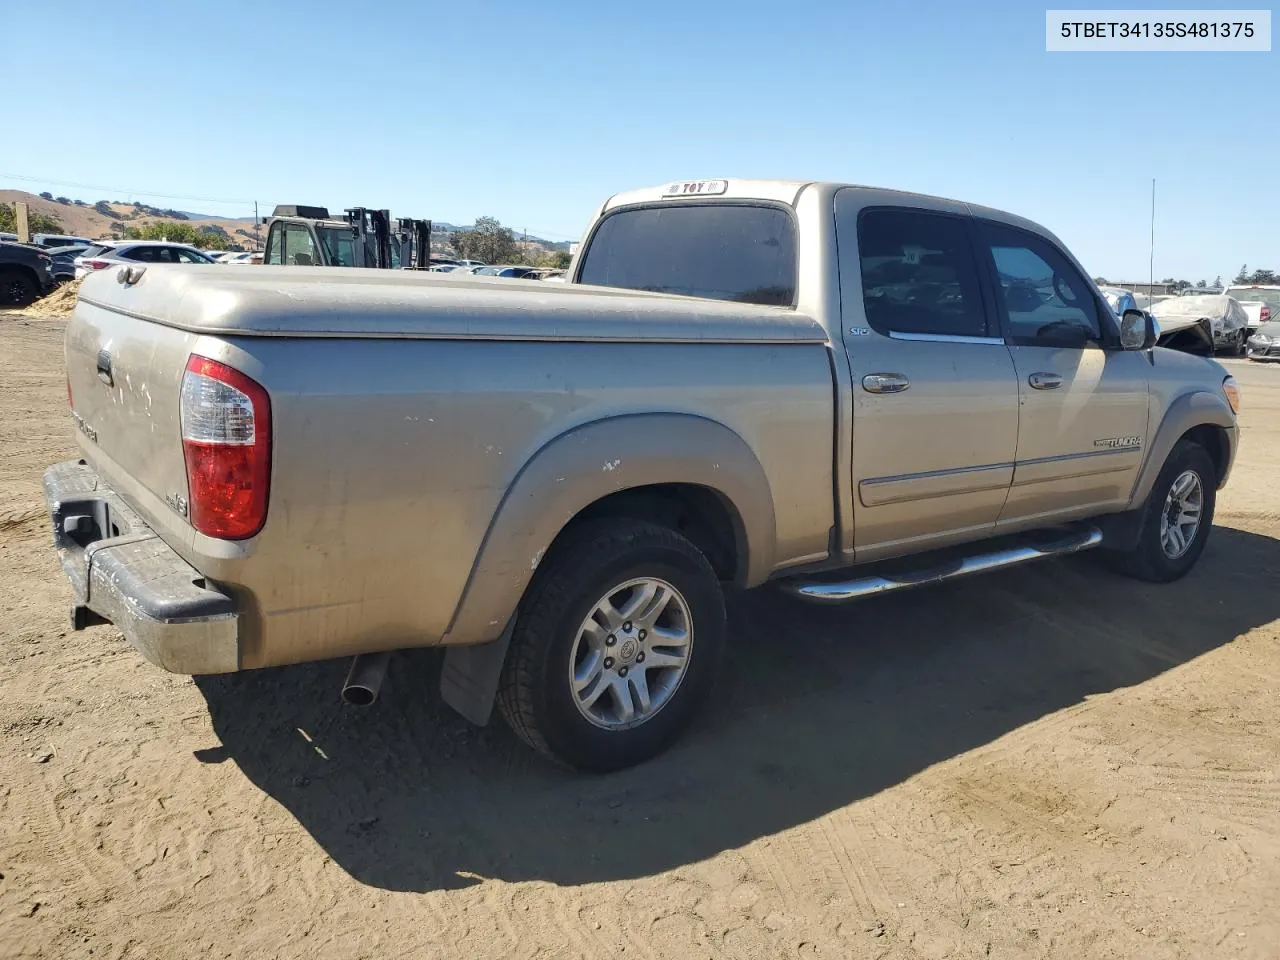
(16, 289)
(534, 692)
(1148, 560)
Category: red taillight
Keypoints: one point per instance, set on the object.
(97, 264)
(1264, 314)
(226, 439)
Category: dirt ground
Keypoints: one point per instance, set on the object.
(1051, 762)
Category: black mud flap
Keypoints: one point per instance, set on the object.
(469, 678)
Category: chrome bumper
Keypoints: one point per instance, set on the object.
(122, 573)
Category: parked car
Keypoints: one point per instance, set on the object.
(1265, 342)
(234, 256)
(105, 254)
(1216, 320)
(51, 240)
(518, 273)
(26, 272)
(1261, 303)
(64, 261)
(1119, 300)
(559, 484)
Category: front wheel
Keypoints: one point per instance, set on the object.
(1177, 517)
(16, 289)
(615, 646)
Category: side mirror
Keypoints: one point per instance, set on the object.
(1139, 330)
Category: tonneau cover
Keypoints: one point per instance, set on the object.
(252, 300)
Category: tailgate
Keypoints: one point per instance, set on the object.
(124, 376)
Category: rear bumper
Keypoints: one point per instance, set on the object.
(122, 573)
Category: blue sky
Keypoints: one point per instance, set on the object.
(536, 113)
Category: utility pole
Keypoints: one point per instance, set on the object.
(257, 236)
(1151, 264)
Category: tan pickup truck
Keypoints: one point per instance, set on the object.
(841, 390)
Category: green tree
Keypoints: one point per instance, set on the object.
(64, 201)
(488, 240)
(208, 238)
(46, 195)
(1100, 281)
(1217, 281)
(1243, 275)
(36, 222)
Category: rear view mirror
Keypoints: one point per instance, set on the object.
(1139, 330)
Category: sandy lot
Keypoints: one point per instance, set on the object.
(1047, 763)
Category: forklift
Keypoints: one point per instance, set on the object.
(309, 237)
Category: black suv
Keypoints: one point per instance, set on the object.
(25, 273)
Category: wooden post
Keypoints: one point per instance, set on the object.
(20, 215)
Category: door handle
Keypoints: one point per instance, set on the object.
(1045, 381)
(885, 383)
(104, 368)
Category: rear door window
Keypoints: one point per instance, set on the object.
(919, 274)
(720, 251)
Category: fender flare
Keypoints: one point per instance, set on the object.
(590, 462)
(1191, 410)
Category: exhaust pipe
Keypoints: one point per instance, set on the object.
(365, 677)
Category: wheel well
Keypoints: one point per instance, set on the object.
(21, 268)
(1214, 441)
(699, 513)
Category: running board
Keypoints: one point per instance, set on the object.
(843, 591)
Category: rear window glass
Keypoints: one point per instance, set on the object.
(742, 253)
(97, 250)
(1270, 297)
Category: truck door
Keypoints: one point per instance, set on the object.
(1084, 401)
(935, 400)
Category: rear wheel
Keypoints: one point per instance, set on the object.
(17, 289)
(1177, 517)
(615, 647)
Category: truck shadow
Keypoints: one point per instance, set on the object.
(818, 708)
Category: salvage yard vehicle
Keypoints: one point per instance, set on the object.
(26, 272)
(1204, 323)
(1265, 342)
(1260, 301)
(841, 390)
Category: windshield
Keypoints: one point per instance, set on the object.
(339, 245)
(1270, 329)
(1270, 297)
(97, 250)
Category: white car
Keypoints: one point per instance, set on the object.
(105, 254)
(234, 256)
(1220, 318)
(1261, 302)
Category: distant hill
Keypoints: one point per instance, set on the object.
(107, 219)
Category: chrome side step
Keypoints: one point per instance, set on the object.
(845, 590)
